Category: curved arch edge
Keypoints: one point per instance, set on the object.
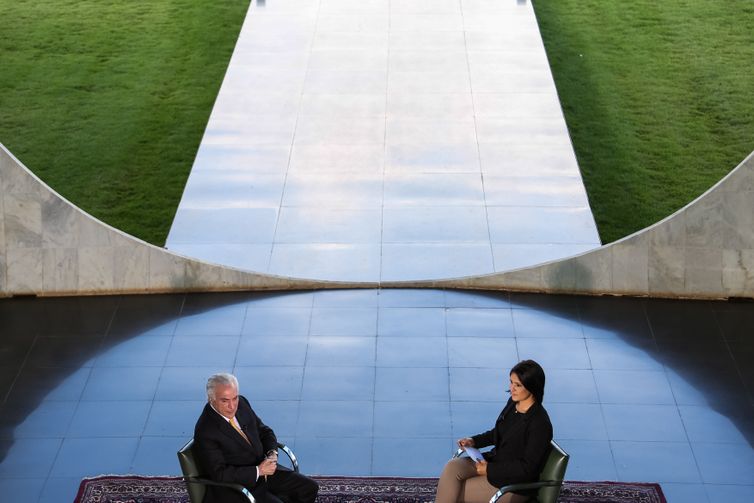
(50, 247)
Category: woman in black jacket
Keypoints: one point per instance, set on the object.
(521, 439)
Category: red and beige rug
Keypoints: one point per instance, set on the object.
(140, 489)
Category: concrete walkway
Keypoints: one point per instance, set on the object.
(380, 140)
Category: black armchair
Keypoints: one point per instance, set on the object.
(550, 479)
(197, 483)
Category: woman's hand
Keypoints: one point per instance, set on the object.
(481, 468)
(466, 442)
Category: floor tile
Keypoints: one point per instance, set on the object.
(48, 420)
(327, 351)
(29, 457)
(435, 452)
(411, 384)
(328, 225)
(464, 322)
(658, 461)
(122, 383)
(137, 352)
(49, 383)
(234, 226)
(279, 383)
(71, 352)
(157, 456)
(478, 384)
(729, 493)
(338, 383)
(725, 463)
(226, 320)
(281, 416)
(531, 323)
(419, 261)
(633, 386)
(470, 418)
(82, 457)
(590, 459)
(619, 355)
(326, 261)
(346, 298)
(705, 425)
(407, 297)
(59, 488)
(268, 351)
(340, 459)
(571, 421)
(335, 321)
(444, 224)
(173, 419)
(203, 350)
(109, 419)
(336, 419)
(680, 493)
(272, 321)
(146, 315)
(487, 352)
(555, 353)
(414, 352)
(407, 321)
(21, 489)
(184, 383)
(644, 422)
(666, 413)
(412, 420)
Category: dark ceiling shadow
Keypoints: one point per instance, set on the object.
(48, 345)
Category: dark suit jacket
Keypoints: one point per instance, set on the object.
(520, 453)
(224, 455)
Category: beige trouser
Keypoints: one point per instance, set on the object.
(459, 483)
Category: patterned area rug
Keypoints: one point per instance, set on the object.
(138, 489)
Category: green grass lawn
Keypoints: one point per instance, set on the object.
(107, 101)
(658, 96)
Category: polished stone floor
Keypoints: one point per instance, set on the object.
(638, 390)
(385, 140)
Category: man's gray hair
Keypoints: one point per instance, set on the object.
(221, 379)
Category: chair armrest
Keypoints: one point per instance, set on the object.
(288, 452)
(229, 485)
(524, 487)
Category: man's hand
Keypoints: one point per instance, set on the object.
(465, 442)
(268, 466)
(481, 467)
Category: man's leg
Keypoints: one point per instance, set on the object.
(292, 487)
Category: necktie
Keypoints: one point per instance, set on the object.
(235, 426)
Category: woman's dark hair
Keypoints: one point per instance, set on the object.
(532, 377)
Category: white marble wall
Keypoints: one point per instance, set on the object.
(50, 247)
(704, 250)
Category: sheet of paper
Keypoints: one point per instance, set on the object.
(474, 453)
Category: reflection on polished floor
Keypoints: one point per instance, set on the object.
(386, 140)
(639, 390)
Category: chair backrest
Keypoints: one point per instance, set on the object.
(191, 469)
(554, 469)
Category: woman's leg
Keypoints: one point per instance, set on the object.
(479, 490)
(452, 479)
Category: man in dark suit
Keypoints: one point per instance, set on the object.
(234, 445)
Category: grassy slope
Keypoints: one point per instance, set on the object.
(107, 101)
(658, 96)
